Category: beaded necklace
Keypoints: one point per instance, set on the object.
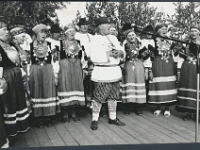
(40, 50)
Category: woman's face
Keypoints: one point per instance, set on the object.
(71, 34)
(41, 36)
(112, 31)
(194, 33)
(20, 38)
(162, 31)
(4, 34)
(131, 37)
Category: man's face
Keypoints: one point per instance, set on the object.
(131, 37)
(56, 36)
(105, 28)
(162, 31)
(84, 28)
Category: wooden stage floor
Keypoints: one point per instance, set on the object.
(146, 129)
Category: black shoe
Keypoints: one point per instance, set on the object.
(139, 112)
(127, 112)
(39, 124)
(65, 118)
(116, 122)
(75, 119)
(187, 117)
(47, 122)
(94, 125)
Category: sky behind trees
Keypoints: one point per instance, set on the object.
(67, 15)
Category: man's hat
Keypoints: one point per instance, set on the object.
(148, 28)
(82, 21)
(127, 26)
(18, 20)
(55, 29)
(103, 20)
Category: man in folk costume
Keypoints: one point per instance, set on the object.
(85, 40)
(148, 46)
(14, 108)
(105, 54)
(55, 45)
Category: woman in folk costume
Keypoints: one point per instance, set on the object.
(45, 103)
(4, 143)
(133, 85)
(18, 36)
(14, 109)
(188, 77)
(70, 76)
(162, 87)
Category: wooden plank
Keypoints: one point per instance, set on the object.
(179, 129)
(144, 135)
(98, 133)
(152, 123)
(42, 137)
(54, 136)
(172, 131)
(76, 134)
(87, 133)
(161, 138)
(109, 132)
(65, 135)
(31, 139)
(119, 130)
(21, 141)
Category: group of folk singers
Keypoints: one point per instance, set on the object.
(79, 69)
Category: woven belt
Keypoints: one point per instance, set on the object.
(107, 65)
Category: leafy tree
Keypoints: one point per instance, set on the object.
(33, 11)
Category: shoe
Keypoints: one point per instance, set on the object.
(65, 118)
(116, 122)
(139, 112)
(94, 125)
(157, 112)
(39, 124)
(75, 118)
(127, 112)
(167, 113)
(48, 122)
(187, 117)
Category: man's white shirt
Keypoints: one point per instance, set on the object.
(100, 45)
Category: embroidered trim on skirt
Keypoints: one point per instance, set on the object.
(133, 85)
(162, 90)
(43, 91)
(70, 83)
(15, 111)
(187, 93)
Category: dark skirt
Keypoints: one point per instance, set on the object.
(187, 88)
(15, 111)
(2, 132)
(43, 91)
(70, 83)
(162, 90)
(133, 84)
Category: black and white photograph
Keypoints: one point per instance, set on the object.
(99, 73)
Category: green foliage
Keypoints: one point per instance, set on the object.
(33, 11)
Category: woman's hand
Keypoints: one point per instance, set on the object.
(151, 75)
(3, 86)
